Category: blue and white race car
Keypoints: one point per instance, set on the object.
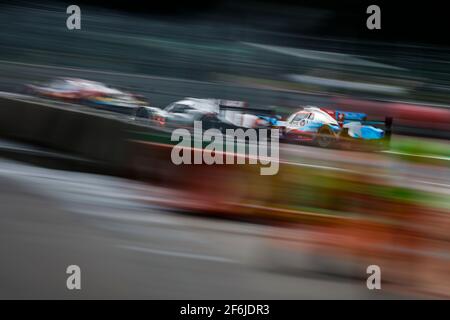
(327, 128)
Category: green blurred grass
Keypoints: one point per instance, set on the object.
(421, 147)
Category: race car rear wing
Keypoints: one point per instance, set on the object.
(243, 107)
(349, 116)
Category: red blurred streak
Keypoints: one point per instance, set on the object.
(421, 116)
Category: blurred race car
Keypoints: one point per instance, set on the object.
(215, 113)
(327, 128)
(91, 93)
(241, 114)
(71, 89)
(183, 114)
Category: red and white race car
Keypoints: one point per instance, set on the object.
(71, 89)
(92, 93)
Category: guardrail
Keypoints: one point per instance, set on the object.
(98, 138)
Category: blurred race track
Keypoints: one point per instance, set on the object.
(127, 248)
(80, 185)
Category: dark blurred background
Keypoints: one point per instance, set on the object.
(314, 46)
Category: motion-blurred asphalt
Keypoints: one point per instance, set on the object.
(127, 248)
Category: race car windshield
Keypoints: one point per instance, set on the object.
(61, 85)
(178, 108)
(301, 116)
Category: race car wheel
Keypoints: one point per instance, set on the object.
(325, 137)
